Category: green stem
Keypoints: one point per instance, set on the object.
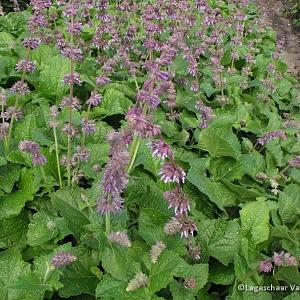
(15, 106)
(48, 273)
(57, 157)
(296, 225)
(69, 159)
(133, 152)
(107, 219)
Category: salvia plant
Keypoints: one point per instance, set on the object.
(148, 150)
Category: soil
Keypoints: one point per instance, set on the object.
(274, 14)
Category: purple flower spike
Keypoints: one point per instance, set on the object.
(295, 162)
(63, 259)
(265, 266)
(38, 159)
(170, 172)
(271, 135)
(95, 99)
(206, 114)
(113, 205)
(20, 87)
(178, 200)
(161, 149)
(29, 147)
(25, 66)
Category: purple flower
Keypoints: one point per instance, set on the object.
(194, 251)
(40, 4)
(284, 259)
(38, 159)
(265, 266)
(206, 114)
(73, 78)
(31, 43)
(74, 28)
(53, 117)
(25, 66)
(295, 162)
(3, 98)
(120, 237)
(161, 149)
(102, 80)
(140, 280)
(88, 126)
(187, 226)
(140, 123)
(63, 259)
(156, 250)
(20, 87)
(271, 135)
(29, 147)
(69, 130)
(178, 200)
(170, 172)
(150, 98)
(119, 140)
(4, 130)
(172, 227)
(190, 283)
(95, 99)
(70, 102)
(82, 154)
(115, 178)
(112, 205)
(74, 54)
(12, 112)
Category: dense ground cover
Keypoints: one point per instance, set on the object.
(149, 150)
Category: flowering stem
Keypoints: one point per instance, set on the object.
(69, 163)
(285, 169)
(16, 105)
(48, 272)
(107, 218)
(133, 152)
(57, 157)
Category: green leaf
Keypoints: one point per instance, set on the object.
(12, 269)
(77, 278)
(151, 224)
(25, 127)
(226, 168)
(7, 42)
(41, 229)
(179, 65)
(289, 203)
(12, 204)
(220, 142)
(11, 266)
(220, 274)
(9, 175)
(111, 287)
(288, 274)
(255, 221)
(114, 102)
(216, 191)
(13, 231)
(68, 202)
(51, 77)
(220, 238)
(252, 163)
(161, 273)
(115, 261)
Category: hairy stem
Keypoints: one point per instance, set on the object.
(57, 157)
